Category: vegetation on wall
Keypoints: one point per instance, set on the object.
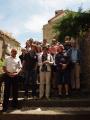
(73, 24)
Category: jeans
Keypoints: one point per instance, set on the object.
(30, 79)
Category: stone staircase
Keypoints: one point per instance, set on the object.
(74, 107)
(45, 117)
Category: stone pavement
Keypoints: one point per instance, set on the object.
(53, 109)
(50, 110)
(48, 113)
(52, 106)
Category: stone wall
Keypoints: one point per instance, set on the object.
(48, 31)
(7, 43)
(85, 62)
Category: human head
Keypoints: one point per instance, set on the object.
(67, 38)
(44, 41)
(60, 48)
(54, 41)
(39, 48)
(30, 41)
(45, 49)
(34, 47)
(73, 42)
(23, 50)
(13, 52)
(27, 44)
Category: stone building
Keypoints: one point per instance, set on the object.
(48, 32)
(85, 61)
(7, 42)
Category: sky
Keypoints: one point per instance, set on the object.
(24, 19)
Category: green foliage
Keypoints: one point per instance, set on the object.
(72, 24)
(1, 63)
(1, 66)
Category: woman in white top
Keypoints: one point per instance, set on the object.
(45, 61)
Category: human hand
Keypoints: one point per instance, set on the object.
(64, 66)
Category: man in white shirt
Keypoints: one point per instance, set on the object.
(11, 68)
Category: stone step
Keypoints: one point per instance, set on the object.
(53, 102)
(52, 109)
(48, 113)
(54, 93)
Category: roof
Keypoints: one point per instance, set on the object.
(57, 13)
(9, 36)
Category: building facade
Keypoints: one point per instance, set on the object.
(7, 42)
(85, 61)
(85, 48)
(48, 32)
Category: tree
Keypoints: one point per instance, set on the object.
(73, 24)
(77, 24)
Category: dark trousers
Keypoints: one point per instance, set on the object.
(30, 79)
(63, 77)
(11, 84)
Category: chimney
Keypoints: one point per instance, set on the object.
(58, 12)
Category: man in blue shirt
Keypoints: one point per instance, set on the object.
(75, 65)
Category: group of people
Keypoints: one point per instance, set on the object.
(55, 64)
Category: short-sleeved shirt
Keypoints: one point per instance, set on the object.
(12, 64)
